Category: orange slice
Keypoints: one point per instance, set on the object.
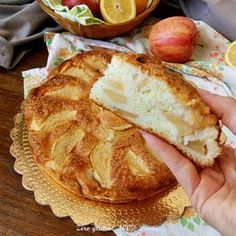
(118, 11)
(230, 55)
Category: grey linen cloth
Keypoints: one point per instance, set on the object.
(22, 23)
(220, 14)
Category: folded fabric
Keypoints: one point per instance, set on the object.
(220, 14)
(21, 24)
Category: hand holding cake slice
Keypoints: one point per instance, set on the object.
(144, 92)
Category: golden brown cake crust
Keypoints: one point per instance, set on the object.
(94, 62)
(87, 149)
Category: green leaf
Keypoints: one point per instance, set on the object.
(183, 221)
(190, 227)
(48, 42)
(58, 61)
(221, 68)
(118, 41)
(73, 48)
(197, 220)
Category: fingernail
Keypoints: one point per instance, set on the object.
(152, 147)
(144, 134)
(203, 91)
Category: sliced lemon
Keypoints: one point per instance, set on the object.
(230, 55)
(118, 11)
(141, 6)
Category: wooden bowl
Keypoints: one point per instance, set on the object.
(99, 31)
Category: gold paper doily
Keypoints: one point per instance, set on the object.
(103, 216)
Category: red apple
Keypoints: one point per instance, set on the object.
(172, 39)
(94, 5)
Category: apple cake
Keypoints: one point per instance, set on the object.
(85, 148)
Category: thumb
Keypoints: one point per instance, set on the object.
(184, 171)
(223, 107)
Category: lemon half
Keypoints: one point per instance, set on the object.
(118, 11)
(230, 55)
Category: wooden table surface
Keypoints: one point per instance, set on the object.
(19, 212)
